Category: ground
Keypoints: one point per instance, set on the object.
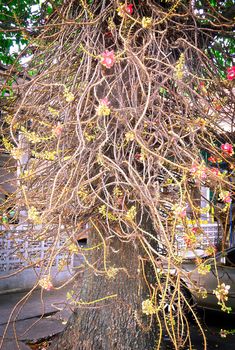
(52, 323)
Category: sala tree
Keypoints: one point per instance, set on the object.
(123, 121)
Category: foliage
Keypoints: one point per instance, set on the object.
(18, 21)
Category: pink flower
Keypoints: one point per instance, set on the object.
(129, 9)
(227, 148)
(179, 211)
(104, 101)
(137, 156)
(202, 87)
(217, 106)
(193, 169)
(103, 108)
(107, 58)
(57, 130)
(182, 213)
(49, 286)
(189, 240)
(125, 9)
(45, 283)
(225, 196)
(227, 199)
(212, 159)
(199, 172)
(231, 73)
(215, 171)
(108, 34)
(196, 230)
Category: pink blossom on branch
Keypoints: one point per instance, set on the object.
(225, 196)
(179, 211)
(103, 108)
(231, 73)
(125, 9)
(212, 159)
(129, 9)
(57, 130)
(107, 58)
(199, 171)
(104, 101)
(227, 148)
(215, 171)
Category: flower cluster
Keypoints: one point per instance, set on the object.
(211, 250)
(108, 59)
(131, 214)
(17, 153)
(203, 269)
(215, 171)
(180, 67)
(33, 215)
(179, 210)
(140, 156)
(148, 307)
(53, 111)
(112, 272)
(217, 105)
(202, 292)
(103, 108)
(199, 172)
(62, 264)
(47, 155)
(105, 213)
(73, 248)
(197, 230)
(32, 137)
(223, 333)
(146, 22)
(212, 159)
(202, 87)
(130, 136)
(83, 193)
(7, 144)
(225, 196)
(69, 96)
(45, 283)
(190, 240)
(221, 292)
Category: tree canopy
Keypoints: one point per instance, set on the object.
(18, 22)
(127, 114)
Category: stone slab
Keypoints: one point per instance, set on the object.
(32, 329)
(13, 345)
(37, 304)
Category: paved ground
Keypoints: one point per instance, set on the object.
(212, 322)
(38, 317)
(35, 316)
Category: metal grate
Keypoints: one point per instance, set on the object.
(210, 236)
(16, 252)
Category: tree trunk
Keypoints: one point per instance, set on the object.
(114, 322)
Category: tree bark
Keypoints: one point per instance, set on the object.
(114, 322)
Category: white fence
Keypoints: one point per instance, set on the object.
(25, 259)
(210, 235)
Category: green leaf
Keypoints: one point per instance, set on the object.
(32, 72)
(213, 3)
